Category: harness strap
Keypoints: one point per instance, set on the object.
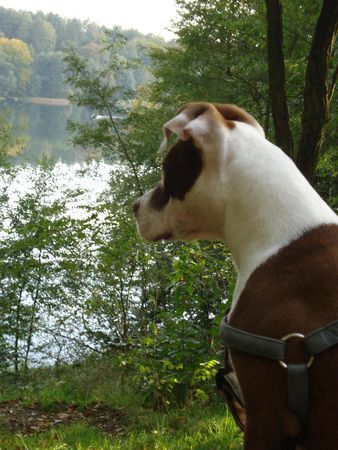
(254, 344)
(322, 339)
(298, 390)
(266, 347)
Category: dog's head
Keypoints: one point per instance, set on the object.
(189, 202)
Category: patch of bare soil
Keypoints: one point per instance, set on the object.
(25, 420)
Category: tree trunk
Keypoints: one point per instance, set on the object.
(316, 95)
(17, 332)
(32, 321)
(278, 100)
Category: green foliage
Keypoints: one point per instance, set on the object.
(181, 332)
(40, 271)
(213, 62)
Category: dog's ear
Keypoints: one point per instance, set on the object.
(197, 120)
(236, 114)
(191, 121)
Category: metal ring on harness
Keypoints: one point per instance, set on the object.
(290, 336)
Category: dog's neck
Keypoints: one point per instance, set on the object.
(266, 209)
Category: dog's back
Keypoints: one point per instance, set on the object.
(293, 291)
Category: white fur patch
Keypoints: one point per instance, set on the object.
(271, 203)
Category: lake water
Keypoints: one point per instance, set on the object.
(44, 129)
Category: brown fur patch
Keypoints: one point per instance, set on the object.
(159, 198)
(181, 168)
(194, 109)
(293, 291)
(234, 113)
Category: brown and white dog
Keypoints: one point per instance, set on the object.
(223, 180)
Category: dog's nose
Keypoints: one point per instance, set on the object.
(136, 206)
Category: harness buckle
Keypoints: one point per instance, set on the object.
(290, 336)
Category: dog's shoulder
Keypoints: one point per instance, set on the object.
(295, 288)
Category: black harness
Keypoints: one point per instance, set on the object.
(275, 349)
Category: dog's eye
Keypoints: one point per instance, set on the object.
(159, 198)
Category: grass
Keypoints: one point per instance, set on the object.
(76, 436)
(210, 430)
(94, 381)
(197, 426)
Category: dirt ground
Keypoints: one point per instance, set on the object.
(25, 420)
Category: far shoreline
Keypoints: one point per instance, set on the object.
(49, 101)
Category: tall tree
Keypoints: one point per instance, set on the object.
(277, 90)
(317, 95)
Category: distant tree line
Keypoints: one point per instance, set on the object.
(32, 44)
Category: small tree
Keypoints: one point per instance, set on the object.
(97, 89)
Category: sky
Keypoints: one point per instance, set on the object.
(146, 16)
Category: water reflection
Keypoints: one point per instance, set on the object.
(44, 129)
